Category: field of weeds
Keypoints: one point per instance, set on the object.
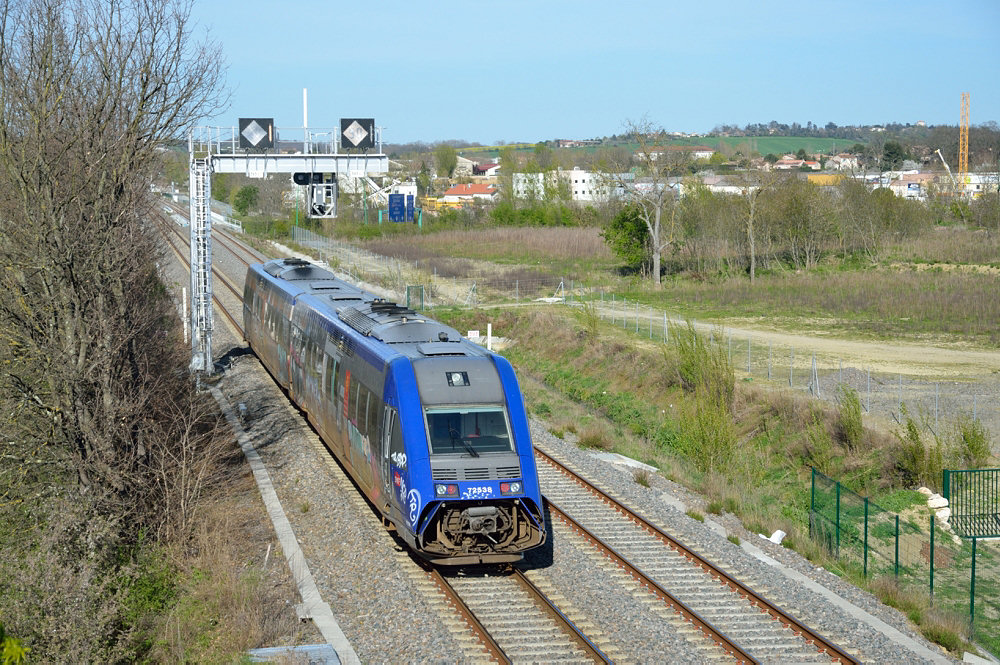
(878, 303)
(558, 250)
(941, 285)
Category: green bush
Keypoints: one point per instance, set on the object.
(710, 434)
(974, 447)
(851, 425)
(702, 367)
(11, 651)
(917, 461)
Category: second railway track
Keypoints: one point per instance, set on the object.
(728, 612)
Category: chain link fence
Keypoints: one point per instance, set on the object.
(959, 575)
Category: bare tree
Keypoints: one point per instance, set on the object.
(89, 90)
(753, 185)
(646, 183)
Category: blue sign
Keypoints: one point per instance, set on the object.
(397, 207)
(409, 207)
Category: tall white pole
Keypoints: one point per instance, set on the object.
(306, 147)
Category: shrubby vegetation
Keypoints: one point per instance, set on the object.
(107, 449)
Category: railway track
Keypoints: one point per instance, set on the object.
(515, 621)
(726, 611)
(511, 617)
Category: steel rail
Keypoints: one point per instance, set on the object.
(466, 613)
(821, 644)
(689, 614)
(255, 256)
(185, 261)
(559, 617)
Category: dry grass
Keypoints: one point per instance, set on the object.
(952, 245)
(945, 628)
(229, 602)
(503, 245)
(883, 302)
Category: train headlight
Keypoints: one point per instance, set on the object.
(446, 490)
(511, 488)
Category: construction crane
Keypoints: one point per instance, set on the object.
(963, 140)
(954, 183)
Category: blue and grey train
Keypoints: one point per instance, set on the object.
(431, 426)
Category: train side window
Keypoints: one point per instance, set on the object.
(352, 404)
(337, 396)
(373, 414)
(363, 406)
(395, 438)
(328, 377)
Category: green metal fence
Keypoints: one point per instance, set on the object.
(974, 499)
(960, 574)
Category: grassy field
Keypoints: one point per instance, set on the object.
(881, 303)
(941, 284)
(561, 251)
(778, 145)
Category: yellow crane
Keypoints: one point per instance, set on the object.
(963, 141)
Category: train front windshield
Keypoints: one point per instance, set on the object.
(468, 431)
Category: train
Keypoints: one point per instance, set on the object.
(431, 426)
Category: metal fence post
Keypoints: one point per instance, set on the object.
(791, 364)
(972, 591)
(838, 517)
(812, 492)
(866, 536)
(897, 545)
(932, 559)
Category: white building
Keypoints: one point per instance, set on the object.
(408, 188)
(579, 185)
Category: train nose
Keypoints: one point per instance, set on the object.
(481, 519)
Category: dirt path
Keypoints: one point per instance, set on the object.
(928, 361)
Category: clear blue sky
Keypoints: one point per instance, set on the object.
(533, 70)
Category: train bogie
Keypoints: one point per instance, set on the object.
(431, 427)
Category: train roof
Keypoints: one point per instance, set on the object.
(405, 330)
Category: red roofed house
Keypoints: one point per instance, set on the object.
(469, 193)
(487, 170)
(788, 163)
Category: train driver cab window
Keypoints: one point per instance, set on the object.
(468, 431)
